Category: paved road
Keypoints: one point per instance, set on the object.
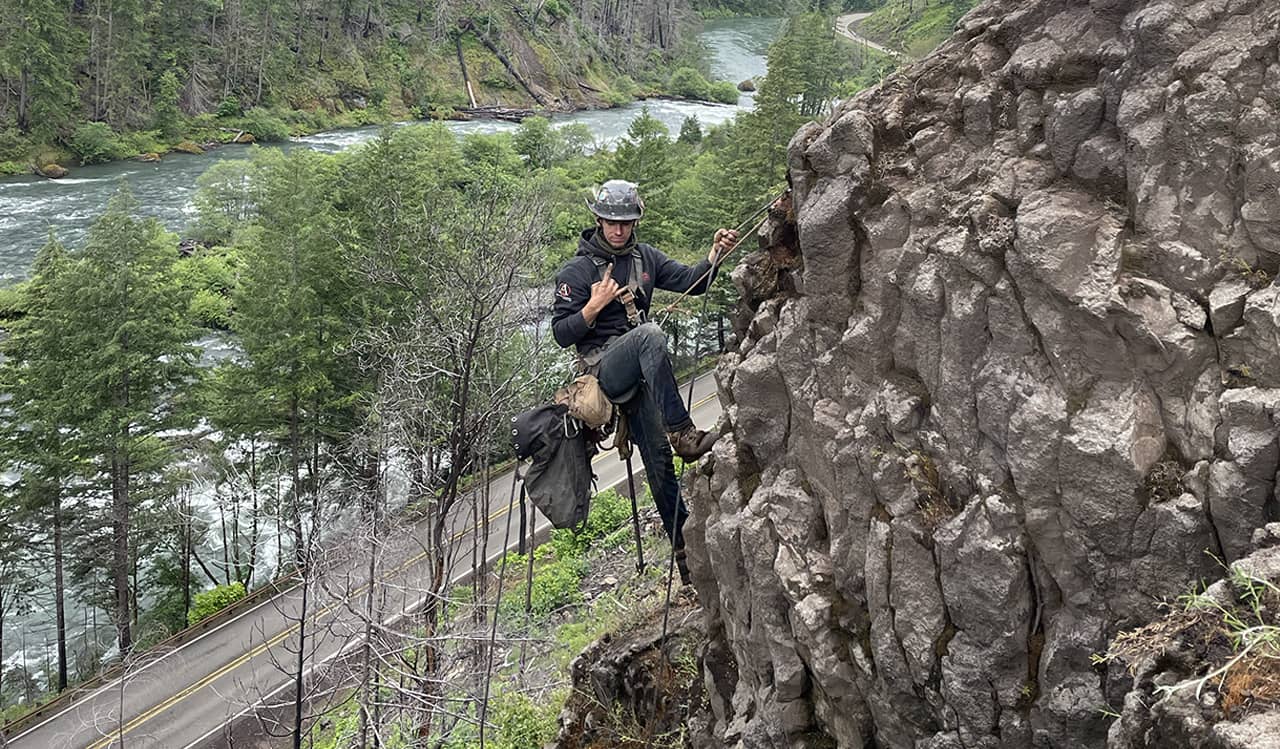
(185, 697)
(844, 27)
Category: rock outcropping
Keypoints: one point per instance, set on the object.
(1016, 378)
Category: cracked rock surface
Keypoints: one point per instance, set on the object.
(1007, 369)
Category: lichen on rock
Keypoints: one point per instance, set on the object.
(1009, 380)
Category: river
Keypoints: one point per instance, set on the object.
(30, 207)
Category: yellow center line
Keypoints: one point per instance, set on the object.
(260, 649)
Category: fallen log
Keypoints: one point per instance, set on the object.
(508, 114)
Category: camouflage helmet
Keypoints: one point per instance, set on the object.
(617, 200)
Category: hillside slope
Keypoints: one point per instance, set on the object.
(162, 70)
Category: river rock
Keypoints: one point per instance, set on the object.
(149, 158)
(1017, 382)
(747, 85)
(244, 138)
(52, 171)
(187, 146)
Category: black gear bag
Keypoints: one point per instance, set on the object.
(559, 478)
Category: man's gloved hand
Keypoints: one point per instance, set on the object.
(724, 241)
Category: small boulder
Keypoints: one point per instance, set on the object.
(245, 138)
(747, 85)
(187, 146)
(52, 171)
(149, 158)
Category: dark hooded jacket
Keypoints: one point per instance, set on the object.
(573, 288)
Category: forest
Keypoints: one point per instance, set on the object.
(90, 80)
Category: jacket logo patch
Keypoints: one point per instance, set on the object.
(563, 292)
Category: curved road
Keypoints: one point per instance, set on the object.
(844, 27)
(192, 695)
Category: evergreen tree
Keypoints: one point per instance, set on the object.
(130, 352)
(690, 131)
(39, 50)
(292, 318)
(167, 118)
(34, 447)
(645, 157)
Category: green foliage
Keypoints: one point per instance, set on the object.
(690, 131)
(264, 125)
(536, 141)
(522, 722)
(227, 197)
(724, 92)
(913, 27)
(165, 115)
(13, 303)
(39, 52)
(519, 722)
(557, 582)
(96, 143)
(143, 141)
(210, 309)
(229, 107)
(210, 602)
(609, 511)
(689, 83)
(13, 145)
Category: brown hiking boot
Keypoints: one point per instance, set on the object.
(691, 442)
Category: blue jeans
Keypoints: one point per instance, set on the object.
(638, 361)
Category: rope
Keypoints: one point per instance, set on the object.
(720, 256)
(502, 571)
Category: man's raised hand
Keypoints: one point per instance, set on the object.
(724, 241)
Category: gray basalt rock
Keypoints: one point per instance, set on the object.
(1012, 380)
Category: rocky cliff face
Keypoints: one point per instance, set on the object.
(1014, 379)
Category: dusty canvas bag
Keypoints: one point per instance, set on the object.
(559, 478)
(586, 401)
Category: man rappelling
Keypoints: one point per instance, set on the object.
(603, 296)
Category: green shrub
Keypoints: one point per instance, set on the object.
(210, 309)
(520, 722)
(229, 107)
(609, 512)
(13, 167)
(264, 125)
(557, 582)
(689, 83)
(145, 141)
(96, 143)
(210, 602)
(723, 92)
(523, 723)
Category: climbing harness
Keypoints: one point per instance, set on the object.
(634, 288)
